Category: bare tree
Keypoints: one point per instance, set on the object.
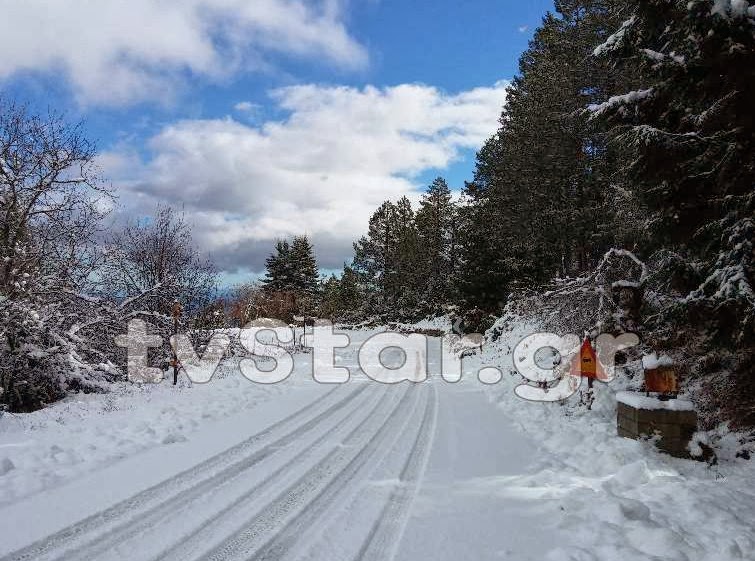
(52, 201)
(155, 261)
(56, 334)
(246, 303)
(51, 207)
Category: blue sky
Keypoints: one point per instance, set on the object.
(270, 118)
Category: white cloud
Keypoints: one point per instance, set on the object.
(246, 106)
(115, 52)
(323, 170)
(524, 28)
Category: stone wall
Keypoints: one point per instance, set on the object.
(675, 426)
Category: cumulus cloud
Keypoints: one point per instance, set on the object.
(323, 170)
(123, 52)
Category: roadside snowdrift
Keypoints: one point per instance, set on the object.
(619, 498)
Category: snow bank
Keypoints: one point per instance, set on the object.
(619, 498)
(84, 432)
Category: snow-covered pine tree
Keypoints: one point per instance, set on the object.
(689, 128)
(305, 274)
(539, 202)
(278, 275)
(435, 220)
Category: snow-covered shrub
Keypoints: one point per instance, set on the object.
(30, 358)
(700, 314)
(604, 301)
(51, 207)
(40, 357)
(63, 296)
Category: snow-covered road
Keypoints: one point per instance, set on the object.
(336, 479)
(318, 472)
(307, 471)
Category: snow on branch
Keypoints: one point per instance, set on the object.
(608, 297)
(729, 280)
(728, 9)
(593, 282)
(662, 57)
(615, 40)
(128, 301)
(619, 101)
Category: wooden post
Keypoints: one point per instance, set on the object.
(303, 325)
(176, 316)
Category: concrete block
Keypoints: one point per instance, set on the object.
(674, 423)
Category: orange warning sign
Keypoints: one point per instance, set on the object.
(586, 362)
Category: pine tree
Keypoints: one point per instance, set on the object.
(691, 119)
(539, 202)
(279, 275)
(404, 279)
(388, 261)
(342, 298)
(372, 253)
(330, 297)
(435, 222)
(350, 297)
(292, 269)
(689, 131)
(303, 266)
(483, 280)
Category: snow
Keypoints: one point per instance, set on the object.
(86, 432)
(442, 323)
(729, 280)
(619, 498)
(309, 471)
(721, 8)
(620, 100)
(625, 284)
(660, 57)
(654, 55)
(652, 361)
(6, 466)
(733, 8)
(640, 401)
(614, 40)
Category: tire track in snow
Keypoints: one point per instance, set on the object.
(160, 491)
(187, 546)
(294, 533)
(384, 538)
(358, 446)
(179, 502)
